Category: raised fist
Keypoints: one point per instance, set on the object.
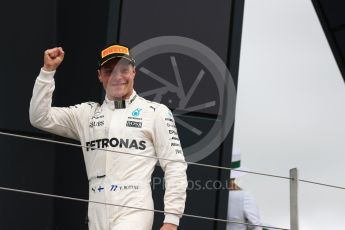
(53, 58)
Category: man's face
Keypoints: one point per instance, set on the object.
(117, 77)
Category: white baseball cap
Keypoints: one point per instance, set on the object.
(237, 164)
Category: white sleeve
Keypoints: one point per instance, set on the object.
(167, 145)
(61, 121)
(251, 211)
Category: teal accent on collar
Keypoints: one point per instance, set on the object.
(130, 102)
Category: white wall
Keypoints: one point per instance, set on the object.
(291, 113)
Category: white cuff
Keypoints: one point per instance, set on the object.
(46, 76)
(171, 219)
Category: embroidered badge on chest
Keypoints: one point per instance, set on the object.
(134, 124)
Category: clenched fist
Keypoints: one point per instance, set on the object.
(53, 58)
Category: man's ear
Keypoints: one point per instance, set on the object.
(134, 72)
(99, 75)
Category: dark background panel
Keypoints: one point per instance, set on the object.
(216, 26)
(340, 39)
(71, 181)
(335, 12)
(81, 31)
(199, 20)
(204, 21)
(27, 29)
(26, 165)
(332, 19)
(233, 63)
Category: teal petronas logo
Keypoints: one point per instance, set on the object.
(136, 112)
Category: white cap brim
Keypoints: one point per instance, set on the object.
(236, 174)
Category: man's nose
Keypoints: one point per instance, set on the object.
(115, 73)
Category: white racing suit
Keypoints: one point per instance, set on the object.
(144, 128)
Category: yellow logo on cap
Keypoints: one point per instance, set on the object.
(115, 49)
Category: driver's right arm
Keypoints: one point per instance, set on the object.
(62, 121)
